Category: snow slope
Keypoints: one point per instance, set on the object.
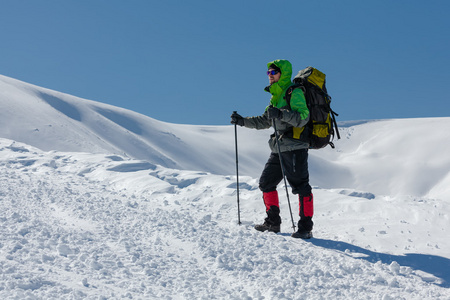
(98, 202)
(51, 120)
(94, 226)
(390, 157)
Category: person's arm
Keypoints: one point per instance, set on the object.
(259, 122)
(298, 115)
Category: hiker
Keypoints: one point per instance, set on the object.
(289, 121)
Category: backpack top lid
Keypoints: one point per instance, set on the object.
(312, 75)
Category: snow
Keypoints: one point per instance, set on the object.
(99, 202)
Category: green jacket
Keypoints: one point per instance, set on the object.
(295, 115)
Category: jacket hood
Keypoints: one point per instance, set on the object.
(286, 72)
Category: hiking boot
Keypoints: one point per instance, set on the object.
(266, 226)
(302, 233)
(272, 222)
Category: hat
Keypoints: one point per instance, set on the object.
(273, 66)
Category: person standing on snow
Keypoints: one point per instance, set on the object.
(290, 122)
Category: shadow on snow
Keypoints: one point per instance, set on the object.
(436, 265)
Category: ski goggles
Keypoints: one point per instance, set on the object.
(272, 72)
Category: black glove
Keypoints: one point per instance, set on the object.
(237, 119)
(274, 113)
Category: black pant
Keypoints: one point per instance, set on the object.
(295, 165)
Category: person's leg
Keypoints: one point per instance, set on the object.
(296, 171)
(270, 178)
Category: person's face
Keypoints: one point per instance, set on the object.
(273, 77)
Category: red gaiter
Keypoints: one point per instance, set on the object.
(271, 198)
(307, 204)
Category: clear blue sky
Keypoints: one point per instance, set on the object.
(194, 62)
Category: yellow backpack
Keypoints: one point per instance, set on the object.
(321, 117)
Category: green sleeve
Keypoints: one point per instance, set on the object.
(298, 103)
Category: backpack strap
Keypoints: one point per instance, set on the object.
(290, 90)
(333, 114)
(288, 95)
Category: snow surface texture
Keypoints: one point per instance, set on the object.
(98, 202)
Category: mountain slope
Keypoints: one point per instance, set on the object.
(390, 157)
(51, 120)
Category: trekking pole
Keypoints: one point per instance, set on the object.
(237, 169)
(282, 171)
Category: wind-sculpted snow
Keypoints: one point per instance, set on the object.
(51, 120)
(94, 226)
(383, 157)
(133, 167)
